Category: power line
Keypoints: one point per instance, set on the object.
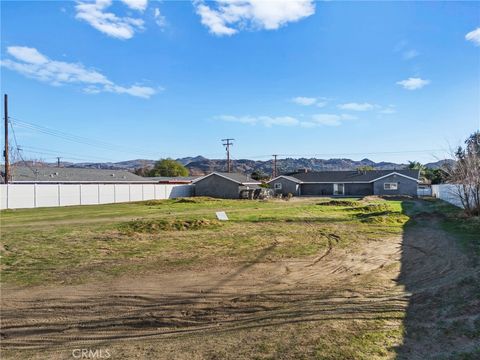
(64, 154)
(90, 141)
(75, 138)
(19, 153)
(345, 154)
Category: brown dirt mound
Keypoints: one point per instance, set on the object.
(340, 203)
(151, 226)
(385, 218)
(372, 208)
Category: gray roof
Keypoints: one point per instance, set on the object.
(291, 178)
(54, 174)
(236, 177)
(350, 176)
(173, 178)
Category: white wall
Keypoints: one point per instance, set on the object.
(17, 196)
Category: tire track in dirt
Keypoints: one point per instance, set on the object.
(336, 285)
(302, 296)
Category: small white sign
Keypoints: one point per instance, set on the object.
(221, 215)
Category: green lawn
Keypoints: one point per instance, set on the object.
(75, 244)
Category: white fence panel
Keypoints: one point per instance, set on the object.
(88, 194)
(69, 194)
(17, 196)
(447, 192)
(425, 191)
(148, 192)
(21, 196)
(136, 192)
(47, 195)
(122, 193)
(159, 192)
(106, 193)
(3, 196)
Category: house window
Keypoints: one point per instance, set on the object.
(277, 186)
(338, 189)
(390, 186)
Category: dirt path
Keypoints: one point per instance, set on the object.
(380, 280)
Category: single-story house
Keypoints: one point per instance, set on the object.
(348, 183)
(48, 174)
(224, 185)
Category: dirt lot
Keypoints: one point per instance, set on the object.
(414, 294)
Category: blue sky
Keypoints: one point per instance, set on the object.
(146, 79)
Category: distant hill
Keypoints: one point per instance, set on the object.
(199, 165)
(439, 164)
(286, 165)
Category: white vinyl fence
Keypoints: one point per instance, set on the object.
(18, 196)
(447, 192)
(424, 191)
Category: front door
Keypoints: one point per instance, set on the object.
(338, 189)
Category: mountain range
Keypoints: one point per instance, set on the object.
(199, 165)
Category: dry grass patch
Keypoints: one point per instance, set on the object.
(156, 225)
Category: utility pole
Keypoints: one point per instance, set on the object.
(5, 152)
(274, 165)
(227, 143)
(58, 161)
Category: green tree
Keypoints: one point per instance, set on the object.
(258, 175)
(436, 176)
(415, 165)
(168, 167)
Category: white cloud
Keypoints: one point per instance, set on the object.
(214, 21)
(410, 54)
(357, 106)
(267, 121)
(227, 17)
(329, 119)
(31, 63)
(139, 5)
(413, 83)
(390, 109)
(159, 18)
(26, 54)
(107, 22)
(474, 36)
(307, 101)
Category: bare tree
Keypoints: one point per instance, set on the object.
(465, 174)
